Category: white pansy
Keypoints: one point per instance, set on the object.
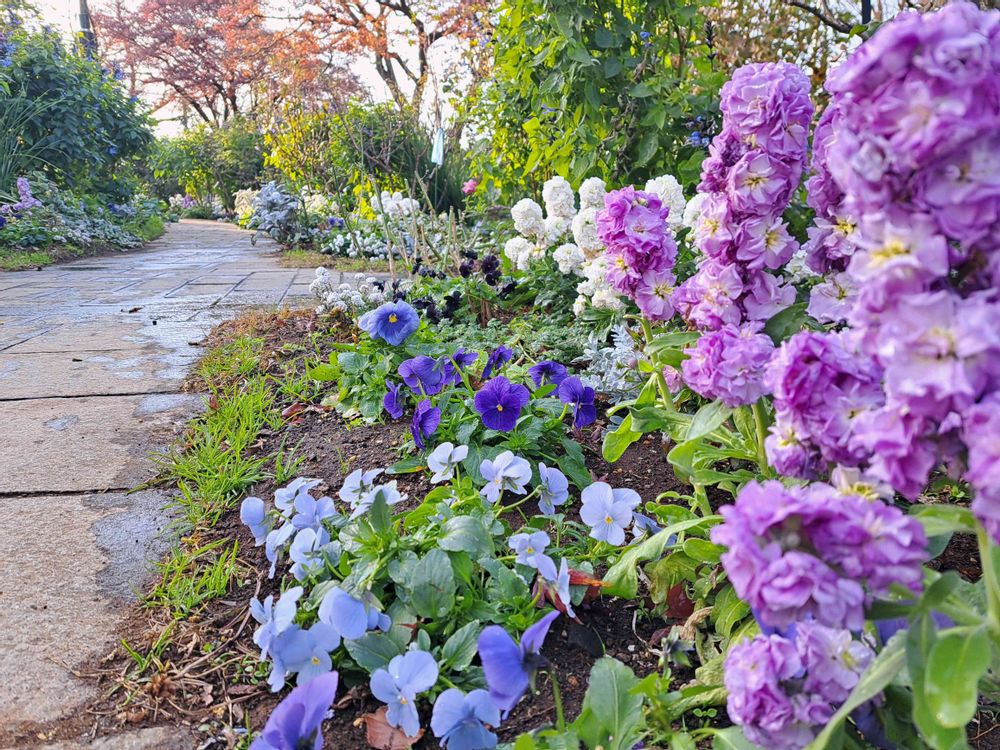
(672, 194)
(557, 195)
(569, 258)
(592, 193)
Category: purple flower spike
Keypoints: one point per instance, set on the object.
(393, 322)
(426, 419)
(296, 723)
(547, 371)
(500, 402)
(572, 391)
(510, 667)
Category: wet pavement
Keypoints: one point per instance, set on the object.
(92, 357)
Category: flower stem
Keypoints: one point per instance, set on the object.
(990, 582)
(760, 423)
(557, 699)
(661, 382)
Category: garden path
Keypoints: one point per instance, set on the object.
(92, 357)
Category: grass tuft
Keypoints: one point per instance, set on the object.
(21, 260)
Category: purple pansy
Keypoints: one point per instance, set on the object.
(546, 372)
(426, 418)
(498, 358)
(499, 403)
(510, 667)
(296, 723)
(394, 400)
(393, 322)
(580, 397)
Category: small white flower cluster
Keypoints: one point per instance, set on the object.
(364, 294)
(397, 206)
(243, 204)
(594, 289)
(672, 194)
(368, 244)
(692, 211)
(540, 232)
(317, 204)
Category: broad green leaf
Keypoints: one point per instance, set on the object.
(618, 440)
(613, 703)
(373, 650)
(788, 322)
(951, 684)
(573, 464)
(943, 518)
(623, 576)
(408, 465)
(432, 585)
(732, 738)
(466, 534)
(708, 419)
(459, 650)
(728, 610)
(920, 639)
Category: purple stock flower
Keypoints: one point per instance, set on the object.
(498, 358)
(499, 403)
(510, 667)
(811, 552)
(296, 723)
(573, 392)
(820, 383)
(460, 721)
(394, 399)
(728, 364)
(783, 689)
(393, 322)
(981, 432)
(426, 418)
(398, 685)
(633, 227)
(547, 371)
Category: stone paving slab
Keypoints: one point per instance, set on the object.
(84, 337)
(153, 738)
(84, 444)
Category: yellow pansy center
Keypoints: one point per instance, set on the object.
(499, 407)
(392, 317)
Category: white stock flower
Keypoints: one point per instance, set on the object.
(557, 194)
(556, 228)
(517, 247)
(692, 211)
(527, 216)
(585, 232)
(592, 193)
(672, 194)
(569, 258)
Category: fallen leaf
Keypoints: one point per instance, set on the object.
(290, 411)
(383, 736)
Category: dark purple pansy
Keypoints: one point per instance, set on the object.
(394, 399)
(498, 358)
(572, 391)
(499, 403)
(297, 721)
(426, 418)
(547, 372)
(509, 667)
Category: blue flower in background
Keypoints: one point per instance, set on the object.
(460, 720)
(530, 551)
(310, 513)
(510, 667)
(296, 723)
(553, 489)
(335, 222)
(426, 418)
(358, 485)
(306, 653)
(393, 322)
(398, 685)
(500, 402)
(394, 399)
(350, 617)
(573, 392)
(274, 618)
(608, 512)
(285, 497)
(498, 358)
(305, 552)
(254, 515)
(505, 472)
(547, 371)
(388, 492)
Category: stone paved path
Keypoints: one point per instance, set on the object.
(92, 354)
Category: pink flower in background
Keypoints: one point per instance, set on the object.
(470, 187)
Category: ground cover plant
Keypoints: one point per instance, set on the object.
(691, 465)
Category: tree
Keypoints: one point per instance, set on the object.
(402, 38)
(215, 58)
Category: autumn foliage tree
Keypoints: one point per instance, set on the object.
(215, 58)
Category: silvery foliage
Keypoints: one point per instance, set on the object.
(276, 213)
(611, 369)
(365, 293)
(366, 242)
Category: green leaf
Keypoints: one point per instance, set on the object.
(459, 650)
(617, 441)
(573, 464)
(656, 418)
(610, 698)
(943, 518)
(466, 534)
(732, 738)
(648, 145)
(787, 323)
(605, 40)
(623, 576)
(880, 673)
(432, 585)
(951, 684)
(708, 419)
(920, 639)
(728, 611)
(408, 465)
(373, 650)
